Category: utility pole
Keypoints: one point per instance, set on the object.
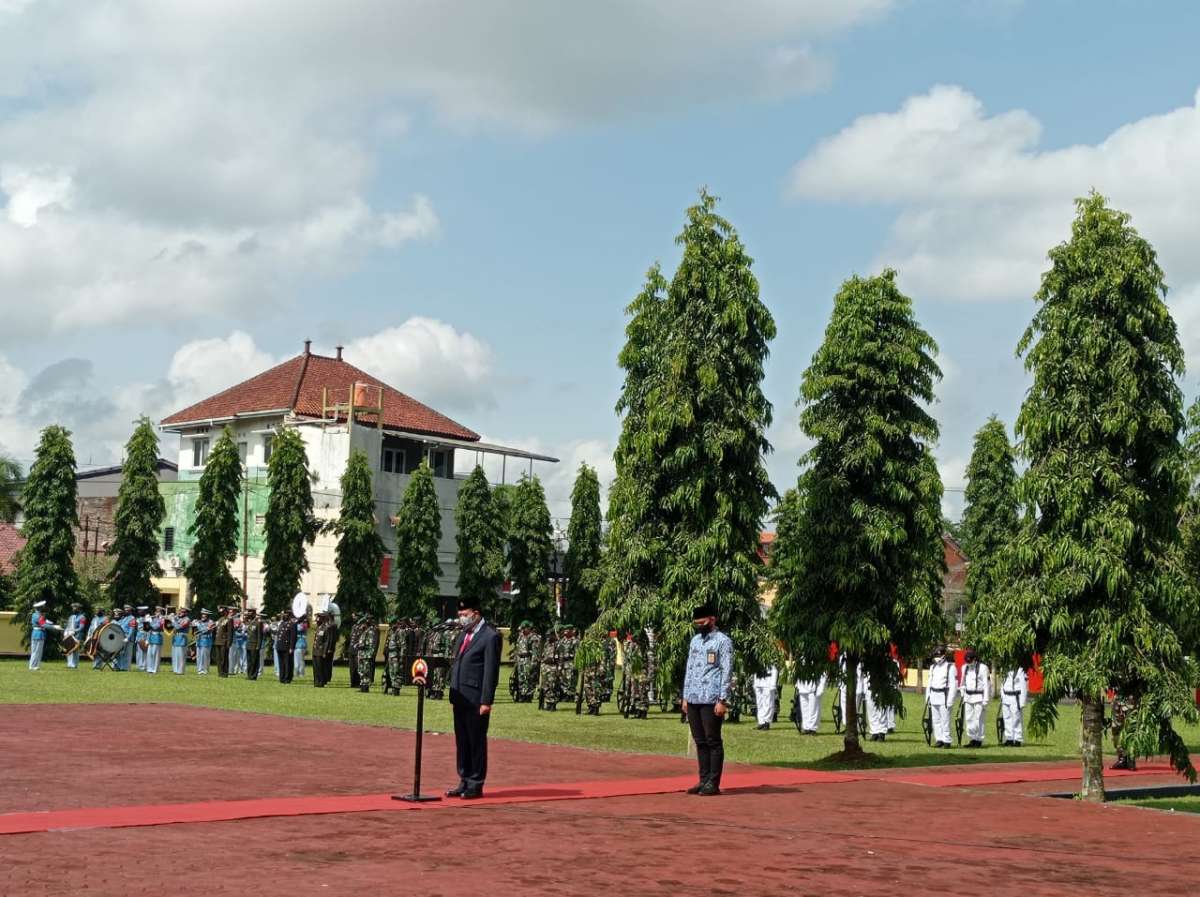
(245, 538)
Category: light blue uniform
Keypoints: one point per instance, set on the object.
(129, 625)
(154, 641)
(98, 622)
(204, 645)
(37, 638)
(75, 625)
(301, 646)
(179, 642)
(237, 651)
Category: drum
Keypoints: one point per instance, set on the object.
(70, 644)
(111, 639)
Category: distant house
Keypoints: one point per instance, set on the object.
(336, 408)
(11, 541)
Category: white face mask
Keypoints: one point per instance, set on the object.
(466, 621)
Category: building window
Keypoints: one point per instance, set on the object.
(243, 451)
(168, 538)
(437, 460)
(392, 460)
(268, 444)
(199, 452)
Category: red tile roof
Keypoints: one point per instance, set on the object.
(296, 386)
(11, 541)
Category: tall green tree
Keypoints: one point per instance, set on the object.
(991, 518)
(480, 542)
(529, 548)
(1092, 587)
(217, 526)
(138, 519)
(858, 557)
(46, 570)
(359, 552)
(692, 489)
(418, 535)
(582, 564)
(290, 524)
(10, 489)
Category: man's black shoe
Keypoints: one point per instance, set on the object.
(457, 792)
(708, 789)
(695, 789)
(472, 794)
(762, 727)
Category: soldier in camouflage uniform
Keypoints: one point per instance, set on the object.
(439, 641)
(635, 677)
(1121, 708)
(393, 664)
(365, 649)
(741, 688)
(351, 647)
(651, 659)
(568, 645)
(610, 666)
(526, 653)
(593, 686)
(548, 680)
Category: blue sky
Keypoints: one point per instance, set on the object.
(190, 192)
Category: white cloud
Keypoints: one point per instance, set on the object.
(204, 367)
(980, 203)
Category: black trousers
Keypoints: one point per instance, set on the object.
(222, 652)
(287, 665)
(470, 739)
(706, 732)
(322, 670)
(352, 662)
(252, 662)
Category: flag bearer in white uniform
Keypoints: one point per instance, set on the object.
(976, 692)
(1014, 693)
(808, 694)
(764, 696)
(940, 692)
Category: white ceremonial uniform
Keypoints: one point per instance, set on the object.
(809, 694)
(764, 695)
(940, 692)
(876, 715)
(1014, 693)
(976, 692)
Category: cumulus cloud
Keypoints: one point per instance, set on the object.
(979, 201)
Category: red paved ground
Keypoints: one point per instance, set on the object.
(874, 836)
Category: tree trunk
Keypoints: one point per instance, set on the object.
(1091, 748)
(850, 742)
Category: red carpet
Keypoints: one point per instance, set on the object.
(966, 778)
(223, 811)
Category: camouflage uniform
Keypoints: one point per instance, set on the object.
(609, 667)
(741, 688)
(567, 678)
(526, 657)
(365, 648)
(651, 660)
(351, 649)
(1121, 708)
(548, 682)
(635, 678)
(439, 640)
(393, 665)
(593, 687)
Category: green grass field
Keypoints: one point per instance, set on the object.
(1185, 804)
(660, 734)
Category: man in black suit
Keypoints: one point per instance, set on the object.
(474, 671)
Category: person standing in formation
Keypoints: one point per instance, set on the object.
(285, 645)
(1014, 692)
(324, 645)
(548, 672)
(877, 717)
(37, 635)
(301, 647)
(939, 693)
(76, 628)
(179, 640)
(141, 635)
(237, 650)
(474, 673)
(764, 697)
(393, 649)
(610, 665)
(635, 681)
(352, 647)
(99, 621)
(976, 693)
(706, 685)
(222, 639)
(808, 700)
(255, 629)
(365, 651)
(154, 640)
(129, 626)
(204, 641)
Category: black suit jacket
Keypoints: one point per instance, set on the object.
(475, 672)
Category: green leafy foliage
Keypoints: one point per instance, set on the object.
(10, 489)
(858, 558)
(582, 565)
(290, 524)
(359, 551)
(46, 569)
(480, 542)
(529, 548)
(418, 535)
(217, 526)
(692, 489)
(138, 520)
(991, 518)
(1095, 586)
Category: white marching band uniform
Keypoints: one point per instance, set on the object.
(940, 692)
(1014, 694)
(764, 695)
(976, 693)
(877, 716)
(808, 694)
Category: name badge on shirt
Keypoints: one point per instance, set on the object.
(712, 657)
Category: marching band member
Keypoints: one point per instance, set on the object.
(129, 626)
(1014, 692)
(301, 646)
(37, 635)
(204, 641)
(255, 635)
(102, 619)
(143, 629)
(154, 640)
(809, 694)
(237, 651)
(940, 692)
(976, 692)
(75, 627)
(179, 640)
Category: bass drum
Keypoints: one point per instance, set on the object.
(70, 644)
(111, 639)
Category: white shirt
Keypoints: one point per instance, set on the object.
(976, 678)
(943, 684)
(1015, 687)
